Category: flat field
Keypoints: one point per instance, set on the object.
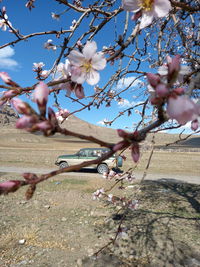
(61, 225)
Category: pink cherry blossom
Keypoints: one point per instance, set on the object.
(84, 66)
(40, 94)
(182, 109)
(147, 9)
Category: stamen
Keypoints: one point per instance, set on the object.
(87, 66)
(146, 5)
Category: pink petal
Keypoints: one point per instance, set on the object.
(146, 19)
(89, 49)
(130, 5)
(98, 61)
(79, 92)
(92, 77)
(78, 76)
(162, 8)
(182, 109)
(76, 58)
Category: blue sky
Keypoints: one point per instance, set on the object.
(18, 60)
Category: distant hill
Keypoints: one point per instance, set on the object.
(8, 118)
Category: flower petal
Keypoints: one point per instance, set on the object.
(182, 109)
(131, 5)
(161, 8)
(76, 58)
(146, 19)
(89, 49)
(79, 78)
(98, 61)
(92, 77)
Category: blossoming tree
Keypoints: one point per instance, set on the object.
(158, 44)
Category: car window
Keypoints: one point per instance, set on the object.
(82, 153)
(91, 153)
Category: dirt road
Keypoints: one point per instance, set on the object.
(91, 173)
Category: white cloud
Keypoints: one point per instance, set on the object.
(6, 62)
(124, 103)
(103, 122)
(128, 81)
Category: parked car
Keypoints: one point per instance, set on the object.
(86, 154)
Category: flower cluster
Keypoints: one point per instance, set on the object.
(32, 121)
(164, 89)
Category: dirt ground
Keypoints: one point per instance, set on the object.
(62, 226)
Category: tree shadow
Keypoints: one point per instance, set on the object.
(163, 232)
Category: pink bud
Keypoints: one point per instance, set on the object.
(153, 79)
(195, 125)
(25, 122)
(20, 106)
(9, 186)
(174, 66)
(79, 91)
(40, 95)
(119, 146)
(122, 133)
(9, 93)
(135, 152)
(5, 77)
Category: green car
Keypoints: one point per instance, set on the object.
(86, 154)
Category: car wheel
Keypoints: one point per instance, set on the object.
(102, 168)
(63, 164)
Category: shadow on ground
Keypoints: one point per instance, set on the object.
(163, 232)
